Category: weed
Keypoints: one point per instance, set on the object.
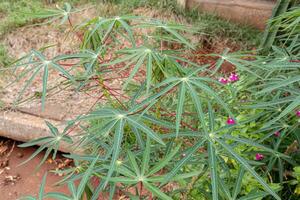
(5, 59)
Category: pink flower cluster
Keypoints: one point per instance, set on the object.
(298, 113)
(259, 156)
(230, 121)
(234, 77)
(231, 79)
(277, 134)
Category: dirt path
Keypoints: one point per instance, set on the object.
(17, 181)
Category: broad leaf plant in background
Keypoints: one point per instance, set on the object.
(170, 128)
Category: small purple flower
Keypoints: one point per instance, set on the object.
(277, 134)
(223, 80)
(259, 156)
(298, 113)
(230, 121)
(233, 77)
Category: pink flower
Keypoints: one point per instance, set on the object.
(259, 156)
(298, 113)
(230, 121)
(277, 134)
(223, 80)
(234, 77)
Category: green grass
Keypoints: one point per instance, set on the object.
(4, 58)
(14, 14)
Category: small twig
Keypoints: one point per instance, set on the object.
(11, 150)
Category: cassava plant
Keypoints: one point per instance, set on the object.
(170, 128)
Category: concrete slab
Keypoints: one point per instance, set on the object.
(249, 12)
(25, 127)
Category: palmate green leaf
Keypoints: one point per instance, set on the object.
(172, 29)
(179, 109)
(135, 170)
(289, 109)
(251, 143)
(29, 81)
(112, 191)
(92, 60)
(58, 196)
(44, 91)
(145, 129)
(188, 154)
(118, 137)
(52, 128)
(36, 142)
(146, 157)
(224, 189)
(187, 85)
(88, 58)
(132, 120)
(39, 150)
(254, 195)
(103, 28)
(159, 122)
(272, 103)
(220, 61)
(137, 66)
(213, 170)
(155, 97)
(85, 179)
(51, 143)
(59, 13)
(35, 67)
(162, 163)
(94, 34)
(149, 73)
(249, 168)
(186, 134)
(42, 187)
(280, 84)
(198, 104)
(157, 178)
(124, 180)
(138, 137)
(28, 198)
(239, 63)
(133, 163)
(75, 193)
(139, 57)
(212, 93)
(124, 170)
(238, 183)
(156, 191)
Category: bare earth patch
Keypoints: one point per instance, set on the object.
(18, 180)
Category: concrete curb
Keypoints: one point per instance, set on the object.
(25, 127)
(251, 12)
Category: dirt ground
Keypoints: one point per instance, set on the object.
(18, 181)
